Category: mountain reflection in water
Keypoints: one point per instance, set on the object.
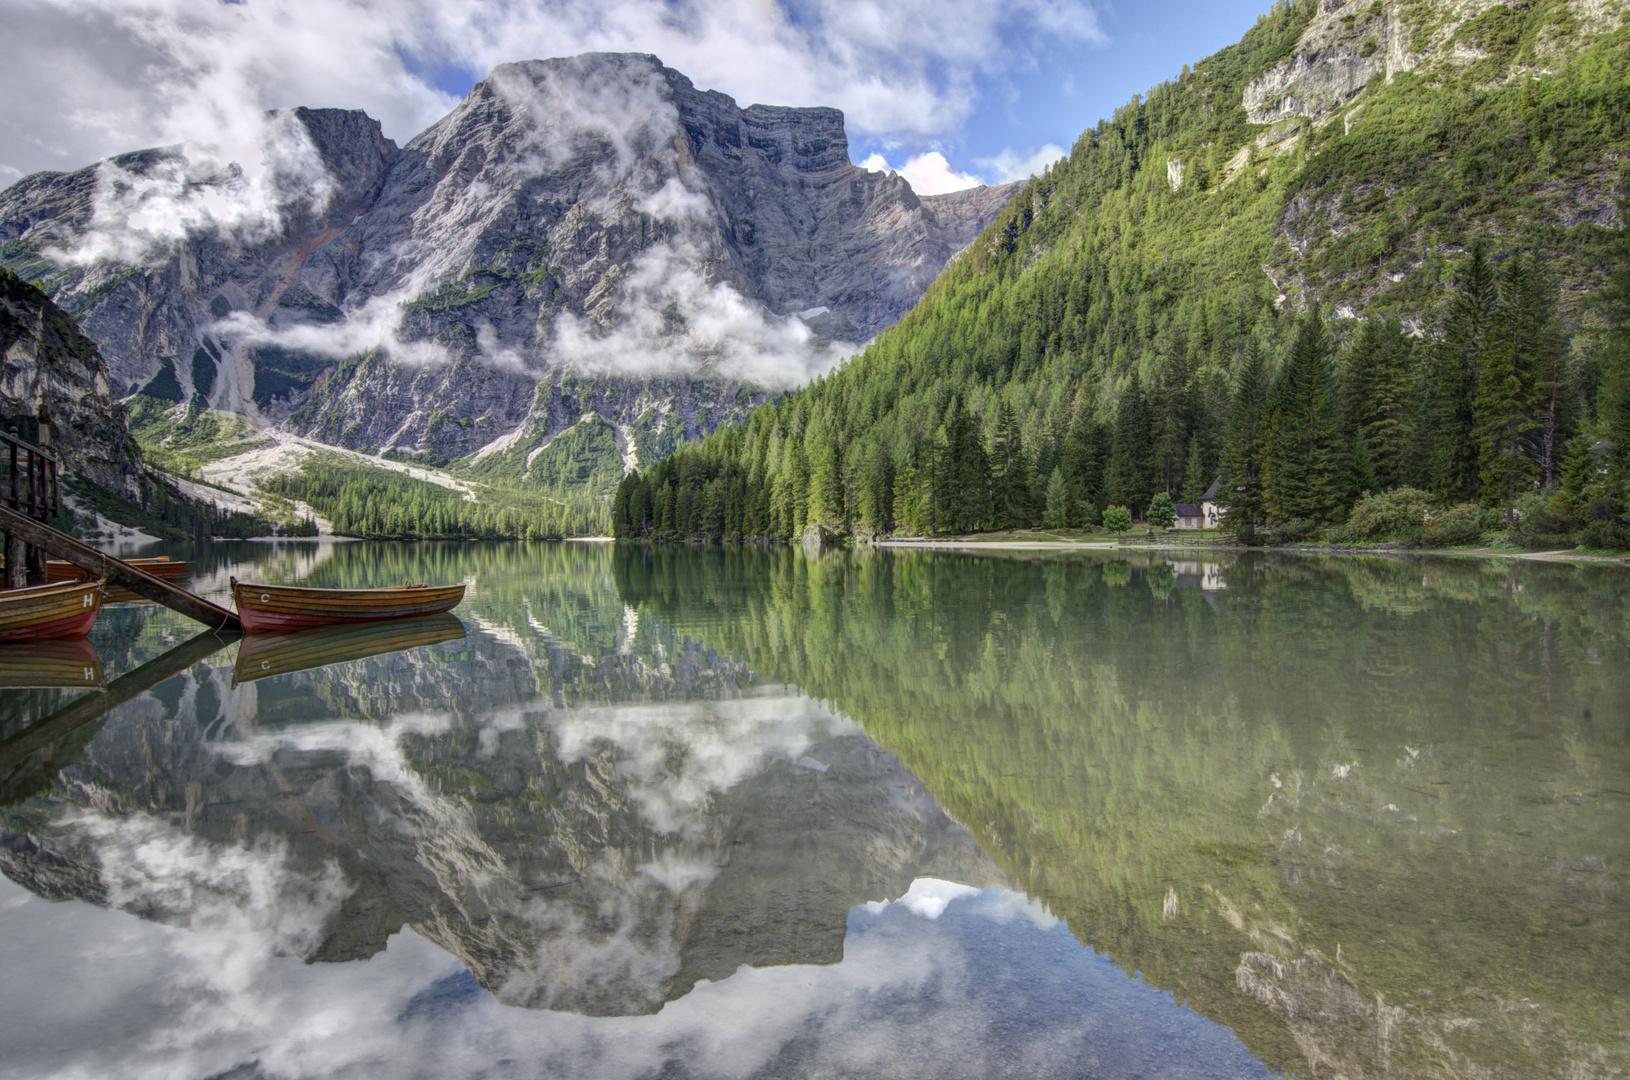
(703, 812)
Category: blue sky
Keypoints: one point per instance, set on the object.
(995, 88)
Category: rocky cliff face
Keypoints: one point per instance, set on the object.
(44, 358)
(570, 219)
(1350, 42)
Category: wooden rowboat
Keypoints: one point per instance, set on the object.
(287, 607)
(160, 567)
(42, 612)
(171, 570)
(50, 665)
(261, 656)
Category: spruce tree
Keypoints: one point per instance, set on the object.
(1305, 479)
(1378, 383)
(1457, 364)
(1194, 475)
(1244, 448)
(1613, 303)
(1011, 506)
(1505, 407)
(1058, 512)
(1126, 480)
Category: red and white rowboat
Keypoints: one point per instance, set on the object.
(288, 607)
(42, 612)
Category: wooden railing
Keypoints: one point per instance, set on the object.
(29, 487)
(30, 484)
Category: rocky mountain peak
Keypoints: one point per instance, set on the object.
(572, 218)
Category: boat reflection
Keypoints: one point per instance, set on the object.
(62, 664)
(29, 758)
(261, 656)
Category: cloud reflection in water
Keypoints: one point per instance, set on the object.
(990, 985)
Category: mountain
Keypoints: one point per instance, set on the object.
(1349, 254)
(580, 237)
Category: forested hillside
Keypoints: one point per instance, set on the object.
(1387, 287)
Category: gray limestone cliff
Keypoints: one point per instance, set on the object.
(1350, 42)
(45, 359)
(571, 220)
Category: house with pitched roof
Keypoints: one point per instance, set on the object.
(1211, 506)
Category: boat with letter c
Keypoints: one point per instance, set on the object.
(293, 607)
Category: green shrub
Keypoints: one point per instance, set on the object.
(1607, 534)
(1546, 521)
(1457, 525)
(1294, 531)
(1399, 514)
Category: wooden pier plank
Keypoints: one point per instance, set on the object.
(44, 537)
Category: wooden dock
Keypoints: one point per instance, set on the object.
(33, 497)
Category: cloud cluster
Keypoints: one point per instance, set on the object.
(377, 324)
(140, 213)
(130, 73)
(1009, 165)
(928, 174)
(931, 174)
(672, 321)
(913, 996)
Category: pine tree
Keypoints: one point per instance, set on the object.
(1306, 455)
(1194, 474)
(1244, 443)
(1456, 371)
(1613, 303)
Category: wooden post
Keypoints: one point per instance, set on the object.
(39, 492)
(16, 577)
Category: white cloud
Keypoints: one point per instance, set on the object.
(928, 174)
(124, 74)
(375, 325)
(1009, 165)
(137, 216)
(670, 320)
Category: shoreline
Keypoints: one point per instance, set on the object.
(1147, 546)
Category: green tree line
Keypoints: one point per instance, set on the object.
(1090, 348)
(1495, 417)
(377, 503)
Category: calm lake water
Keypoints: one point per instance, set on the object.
(740, 813)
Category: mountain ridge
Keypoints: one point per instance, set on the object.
(567, 216)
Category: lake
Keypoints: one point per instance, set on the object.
(750, 812)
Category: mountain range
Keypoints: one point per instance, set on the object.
(585, 239)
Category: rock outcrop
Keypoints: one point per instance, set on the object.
(571, 220)
(45, 359)
(1350, 42)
